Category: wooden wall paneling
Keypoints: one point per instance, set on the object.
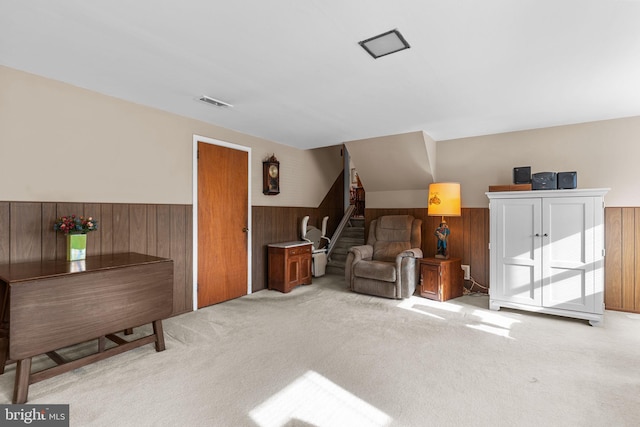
(469, 236)
(188, 257)
(94, 246)
(466, 232)
(49, 238)
(177, 248)
(628, 259)
(156, 230)
(164, 231)
(613, 258)
(332, 205)
(26, 231)
(121, 227)
(5, 233)
(258, 248)
(430, 244)
(152, 230)
(106, 229)
(456, 237)
(138, 229)
(478, 246)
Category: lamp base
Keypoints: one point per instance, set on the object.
(442, 232)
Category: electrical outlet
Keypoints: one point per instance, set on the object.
(467, 272)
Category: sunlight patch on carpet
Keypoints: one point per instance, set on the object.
(315, 400)
(425, 306)
(494, 323)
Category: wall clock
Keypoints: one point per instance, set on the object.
(271, 176)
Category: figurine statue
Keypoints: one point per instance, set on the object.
(442, 232)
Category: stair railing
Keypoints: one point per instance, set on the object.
(343, 223)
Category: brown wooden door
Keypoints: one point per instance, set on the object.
(222, 223)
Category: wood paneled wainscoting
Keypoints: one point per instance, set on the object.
(622, 260)
(469, 238)
(160, 230)
(275, 224)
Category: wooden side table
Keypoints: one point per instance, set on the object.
(289, 265)
(441, 279)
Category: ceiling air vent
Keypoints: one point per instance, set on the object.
(385, 44)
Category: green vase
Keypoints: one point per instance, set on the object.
(76, 247)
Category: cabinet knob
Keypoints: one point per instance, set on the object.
(245, 229)
(537, 234)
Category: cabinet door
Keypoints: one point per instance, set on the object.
(293, 271)
(569, 256)
(516, 250)
(305, 269)
(430, 281)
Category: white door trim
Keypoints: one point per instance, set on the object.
(196, 139)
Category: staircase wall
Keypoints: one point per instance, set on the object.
(273, 224)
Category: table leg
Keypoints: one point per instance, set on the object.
(102, 344)
(21, 388)
(157, 330)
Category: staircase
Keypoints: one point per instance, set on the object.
(352, 235)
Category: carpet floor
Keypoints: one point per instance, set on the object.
(324, 356)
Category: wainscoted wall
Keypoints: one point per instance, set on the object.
(469, 238)
(272, 224)
(622, 261)
(166, 230)
(161, 230)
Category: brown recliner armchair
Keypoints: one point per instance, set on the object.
(387, 265)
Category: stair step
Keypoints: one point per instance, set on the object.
(353, 231)
(330, 269)
(352, 235)
(357, 222)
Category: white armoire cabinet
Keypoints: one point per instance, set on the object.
(547, 252)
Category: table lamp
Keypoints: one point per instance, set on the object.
(444, 200)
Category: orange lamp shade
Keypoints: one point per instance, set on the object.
(444, 199)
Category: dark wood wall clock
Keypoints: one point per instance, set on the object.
(271, 176)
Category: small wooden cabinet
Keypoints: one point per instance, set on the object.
(289, 265)
(441, 279)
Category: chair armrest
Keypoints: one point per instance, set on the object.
(413, 253)
(354, 255)
(361, 252)
(408, 272)
(324, 242)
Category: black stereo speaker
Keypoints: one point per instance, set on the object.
(522, 175)
(544, 181)
(567, 180)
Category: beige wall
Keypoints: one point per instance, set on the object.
(605, 154)
(62, 143)
(395, 170)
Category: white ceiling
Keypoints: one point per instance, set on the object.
(296, 75)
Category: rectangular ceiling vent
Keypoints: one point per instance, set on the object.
(214, 101)
(385, 44)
